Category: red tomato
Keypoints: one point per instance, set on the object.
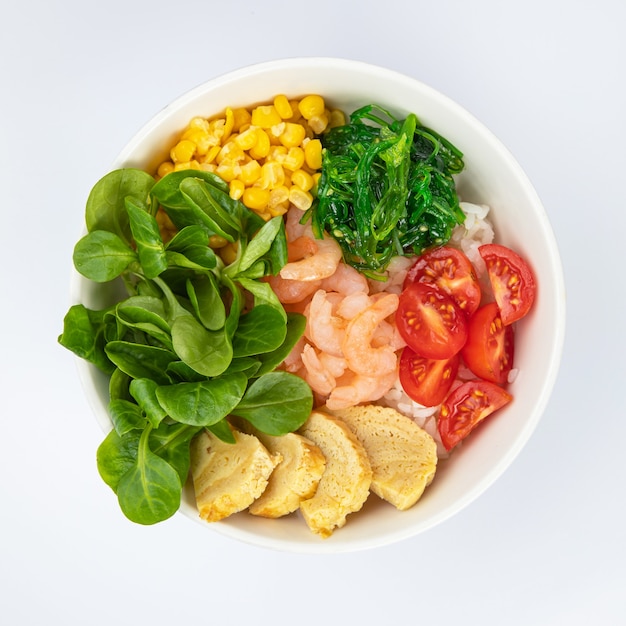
(512, 281)
(466, 407)
(427, 381)
(430, 322)
(450, 270)
(488, 351)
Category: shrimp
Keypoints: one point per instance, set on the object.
(317, 376)
(292, 291)
(346, 280)
(317, 266)
(358, 389)
(324, 329)
(352, 305)
(357, 348)
(293, 361)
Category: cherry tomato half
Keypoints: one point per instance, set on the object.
(430, 322)
(512, 281)
(450, 270)
(426, 381)
(489, 349)
(467, 406)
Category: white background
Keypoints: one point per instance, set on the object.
(544, 545)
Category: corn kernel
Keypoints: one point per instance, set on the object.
(295, 107)
(303, 179)
(278, 195)
(228, 124)
(165, 168)
(208, 167)
(256, 198)
(236, 189)
(199, 123)
(336, 118)
(183, 151)
(300, 198)
(246, 139)
(250, 173)
(241, 119)
(212, 153)
(230, 151)
(282, 106)
(294, 159)
(272, 175)
(228, 170)
(313, 154)
(265, 116)
(216, 242)
(318, 123)
(279, 209)
(229, 253)
(182, 165)
(292, 135)
(311, 106)
(275, 132)
(262, 146)
(277, 153)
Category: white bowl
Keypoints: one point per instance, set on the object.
(493, 177)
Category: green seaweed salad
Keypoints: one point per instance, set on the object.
(195, 341)
(386, 188)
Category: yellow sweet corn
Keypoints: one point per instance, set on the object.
(300, 198)
(270, 155)
(265, 116)
(250, 173)
(256, 198)
(236, 188)
(302, 179)
(183, 151)
(293, 135)
(262, 146)
(313, 154)
(311, 106)
(283, 107)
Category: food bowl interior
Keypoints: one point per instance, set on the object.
(491, 177)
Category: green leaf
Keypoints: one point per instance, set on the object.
(201, 197)
(261, 242)
(263, 294)
(206, 299)
(260, 330)
(145, 314)
(150, 491)
(106, 209)
(147, 236)
(171, 443)
(144, 391)
(296, 324)
(276, 403)
(223, 431)
(84, 333)
(116, 455)
(141, 361)
(202, 403)
(126, 416)
(102, 256)
(207, 352)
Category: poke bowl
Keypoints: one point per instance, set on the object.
(491, 178)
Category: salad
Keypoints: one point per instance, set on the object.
(283, 259)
